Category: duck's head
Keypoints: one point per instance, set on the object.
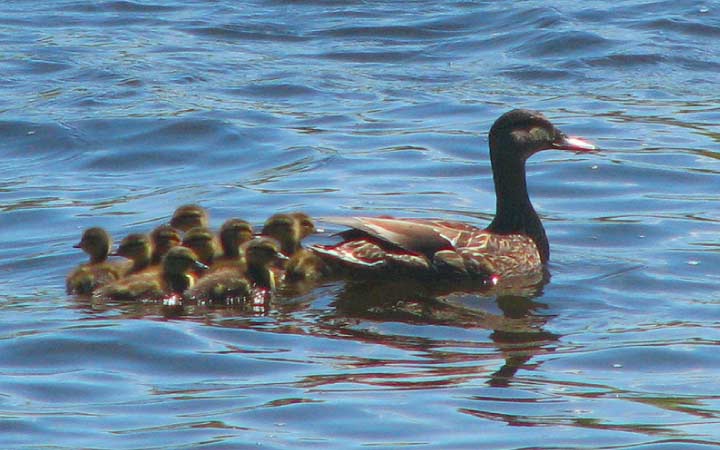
(163, 239)
(262, 252)
(96, 242)
(233, 233)
(181, 260)
(189, 216)
(135, 246)
(202, 242)
(304, 223)
(520, 133)
(285, 229)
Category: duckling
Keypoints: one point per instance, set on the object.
(137, 248)
(189, 216)
(256, 283)
(233, 233)
(174, 279)
(283, 228)
(260, 254)
(85, 278)
(202, 241)
(306, 224)
(289, 229)
(227, 284)
(163, 238)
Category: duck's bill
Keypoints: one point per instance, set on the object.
(200, 265)
(573, 143)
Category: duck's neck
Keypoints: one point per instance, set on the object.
(178, 282)
(141, 262)
(289, 246)
(231, 249)
(98, 258)
(262, 276)
(514, 213)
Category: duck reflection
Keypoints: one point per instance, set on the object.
(509, 311)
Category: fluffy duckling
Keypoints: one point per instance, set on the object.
(85, 278)
(289, 229)
(261, 254)
(163, 238)
(189, 216)
(223, 285)
(174, 279)
(306, 224)
(230, 284)
(284, 229)
(202, 241)
(233, 234)
(137, 248)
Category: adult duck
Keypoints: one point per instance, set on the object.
(514, 244)
(85, 278)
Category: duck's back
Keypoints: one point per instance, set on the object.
(88, 277)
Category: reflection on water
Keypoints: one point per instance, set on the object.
(507, 312)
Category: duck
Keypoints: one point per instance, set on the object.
(513, 244)
(261, 255)
(163, 238)
(202, 241)
(284, 229)
(138, 248)
(87, 277)
(257, 282)
(173, 280)
(305, 223)
(289, 230)
(189, 216)
(232, 235)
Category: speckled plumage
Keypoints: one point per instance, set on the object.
(514, 244)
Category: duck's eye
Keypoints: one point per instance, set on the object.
(541, 133)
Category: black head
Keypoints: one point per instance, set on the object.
(520, 133)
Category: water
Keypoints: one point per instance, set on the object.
(115, 112)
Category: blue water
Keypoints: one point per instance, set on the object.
(112, 113)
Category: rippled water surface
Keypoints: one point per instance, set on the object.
(112, 113)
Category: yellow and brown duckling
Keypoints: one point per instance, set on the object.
(163, 238)
(261, 255)
(189, 216)
(174, 279)
(233, 234)
(305, 224)
(256, 283)
(137, 248)
(289, 229)
(85, 278)
(202, 241)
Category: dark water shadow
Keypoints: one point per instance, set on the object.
(509, 312)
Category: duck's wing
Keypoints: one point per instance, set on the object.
(425, 236)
